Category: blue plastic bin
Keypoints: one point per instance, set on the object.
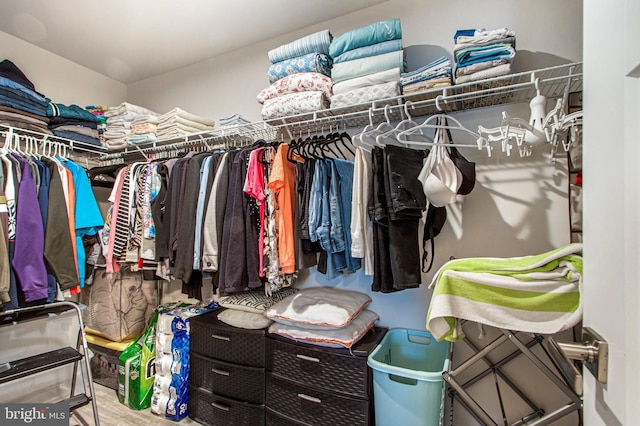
(408, 387)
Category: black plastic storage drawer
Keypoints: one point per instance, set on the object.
(228, 379)
(277, 419)
(315, 407)
(214, 410)
(326, 368)
(213, 338)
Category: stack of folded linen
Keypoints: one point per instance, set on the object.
(299, 77)
(178, 122)
(143, 129)
(119, 120)
(482, 54)
(433, 75)
(367, 62)
(22, 106)
(98, 111)
(233, 121)
(73, 122)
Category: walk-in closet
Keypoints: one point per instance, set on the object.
(285, 213)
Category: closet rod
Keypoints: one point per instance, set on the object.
(73, 145)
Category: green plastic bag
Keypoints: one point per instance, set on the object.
(137, 370)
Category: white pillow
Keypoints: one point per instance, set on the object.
(335, 338)
(253, 301)
(240, 319)
(324, 307)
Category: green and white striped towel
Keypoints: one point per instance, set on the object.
(535, 294)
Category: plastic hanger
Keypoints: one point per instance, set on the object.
(391, 136)
(433, 122)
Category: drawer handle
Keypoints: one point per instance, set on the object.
(309, 398)
(307, 358)
(220, 372)
(219, 337)
(219, 406)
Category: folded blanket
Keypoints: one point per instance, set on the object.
(116, 134)
(363, 66)
(125, 107)
(11, 84)
(366, 94)
(143, 128)
(125, 117)
(479, 66)
(18, 124)
(366, 51)
(183, 122)
(78, 137)
(116, 143)
(481, 32)
(177, 112)
(535, 294)
(145, 118)
(293, 104)
(70, 111)
(313, 43)
(312, 62)
(138, 139)
(233, 120)
(23, 117)
(301, 82)
(422, 86)
(472, 55)
(385, 76)
(488, 73)
(485, 42)
(366, 36)
(93, 133)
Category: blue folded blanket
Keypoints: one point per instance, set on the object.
(472, 55)
(313, 43)
(312, 62)
(366, 36)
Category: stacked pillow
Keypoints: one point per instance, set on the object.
(324, 316)
(246, 309)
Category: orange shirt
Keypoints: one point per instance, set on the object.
(282, 183)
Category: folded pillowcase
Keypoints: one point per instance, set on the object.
(242, 319)
(251, 301)
(301, 82)
(335, 338)
(327, 307)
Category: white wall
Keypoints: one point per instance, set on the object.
(59, 79)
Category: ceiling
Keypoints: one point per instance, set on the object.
(133, 40)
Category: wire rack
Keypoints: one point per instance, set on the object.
(552, 82)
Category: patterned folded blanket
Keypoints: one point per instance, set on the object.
(535, 294)
(313, 43)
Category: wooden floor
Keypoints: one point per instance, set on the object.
(112, 413)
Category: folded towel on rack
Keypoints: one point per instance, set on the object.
(535, 294)
(385, 76)
(300, 82)
(482, 32)
(143, 138)
(116, 143)
(472, 55)
(180, 113)
(363, 66)
(184, 123)
(422, 86)
(142, 128)
(479, 66)
(367, 51)
(366, 36)
(294, 104)
(366, 95)
(484, 74)
(312, 62)
(125, 107)
(313, 43)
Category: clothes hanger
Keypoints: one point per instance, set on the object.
(390, 137)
